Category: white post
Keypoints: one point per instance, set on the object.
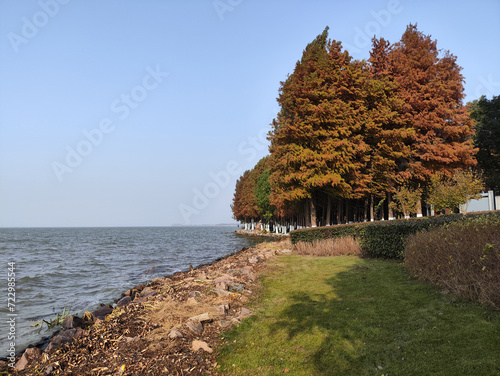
(491, 200)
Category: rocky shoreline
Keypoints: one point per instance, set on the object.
(170, 326)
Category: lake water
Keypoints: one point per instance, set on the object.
(83, 267)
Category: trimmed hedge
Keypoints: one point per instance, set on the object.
(381, 239)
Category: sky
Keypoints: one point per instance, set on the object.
(145, 113)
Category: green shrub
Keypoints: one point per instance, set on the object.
(382, 239)
(461, 257)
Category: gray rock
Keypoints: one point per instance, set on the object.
(147, 291)
(102, 312)
(204, 317)
(71, 321)
(126, 300)
(195, 326)
(65, 336)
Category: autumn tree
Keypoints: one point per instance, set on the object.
(486, 113)
(243, 207)
(431, 86)
(248, 197)
(385, 132)
(316, 141)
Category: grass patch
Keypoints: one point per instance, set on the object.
(351, 316)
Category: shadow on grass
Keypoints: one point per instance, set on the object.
(375, 320)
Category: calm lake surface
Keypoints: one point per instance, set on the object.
(83, 267)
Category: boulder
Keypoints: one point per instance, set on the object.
(126, 300)
(195, 326)
(71, 321)
(102, 312)
(204, 317)
(29, 355)
(65, 336)
(132, 293)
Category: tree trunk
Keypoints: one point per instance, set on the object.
(372, 218)
(312, 212)
(389, 208)
(339, 211)
(347, 209)
(328, 210)
(419, 208)
(307, 212)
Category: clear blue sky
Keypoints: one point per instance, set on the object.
(137, 113)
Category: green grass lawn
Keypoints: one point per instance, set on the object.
(349, 316)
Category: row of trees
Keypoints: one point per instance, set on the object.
(353, 135)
